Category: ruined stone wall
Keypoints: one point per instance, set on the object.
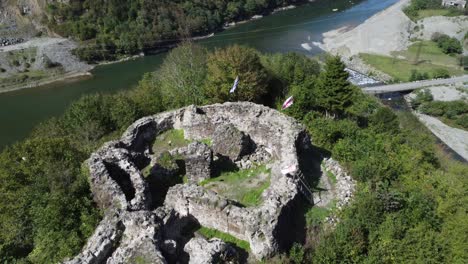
(117, 182)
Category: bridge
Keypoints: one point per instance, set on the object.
(402, 87)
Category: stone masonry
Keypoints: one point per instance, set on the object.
(134, 229)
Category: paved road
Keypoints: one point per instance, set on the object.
(413, 85)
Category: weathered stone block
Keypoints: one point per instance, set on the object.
(198, 159)
(230, 142)
(202, 251)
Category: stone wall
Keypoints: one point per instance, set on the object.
(117, 184)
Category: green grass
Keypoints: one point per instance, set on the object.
(254, 196)
(430, 53)
(176, 138)
(243, 186)
(22, 78)
(171, 139)
(437, 12)
(139, 260)
(331, 177)
(207, 141)
(316, 215)
(400, 69)
(146, 171)
(209, 233)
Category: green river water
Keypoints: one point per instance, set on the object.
(21, 111)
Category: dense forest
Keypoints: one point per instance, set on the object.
(411, 202)
(115, 27)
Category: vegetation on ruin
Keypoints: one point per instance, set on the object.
(244, 186)
(410, 205)
(169, 140)
(209, 233)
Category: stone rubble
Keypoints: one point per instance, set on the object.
(203, 251)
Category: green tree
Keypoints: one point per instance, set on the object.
(224, 65)
(334, 91)
(182, 75)
(384, 121)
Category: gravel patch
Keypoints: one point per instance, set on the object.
(383, 33)
(449, 93)
(452, 26)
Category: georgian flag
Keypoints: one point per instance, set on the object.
(287, 103)
(233, 89)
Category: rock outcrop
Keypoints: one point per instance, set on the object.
(244, 133)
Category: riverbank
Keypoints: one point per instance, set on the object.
(383, 33)
(39, 61)
(17, 75)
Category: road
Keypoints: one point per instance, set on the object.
(401, 87)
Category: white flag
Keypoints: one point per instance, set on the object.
(287, 103)
(289, 170)
(233, 89)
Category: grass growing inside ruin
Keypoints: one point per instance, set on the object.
(209, 233)
(254, 197)
(244, 186)
(169, 140)
(207, 141)
(172, 139)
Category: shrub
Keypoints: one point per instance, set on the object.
(441, 73)
(296, 254)
(418, 76)
(448, 44)
(422, 96)
(462, 121)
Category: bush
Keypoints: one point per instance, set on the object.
(441, 73)
(422, 96)
(462, 121)
(224, 65)
(435, 108)
(448, 44)
(417, 76)
(296, 254)
(464, 62)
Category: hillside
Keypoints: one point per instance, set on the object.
(21, 19)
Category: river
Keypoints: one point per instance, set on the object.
(285, 31)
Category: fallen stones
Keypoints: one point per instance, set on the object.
(10, 41)
(202, 251)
